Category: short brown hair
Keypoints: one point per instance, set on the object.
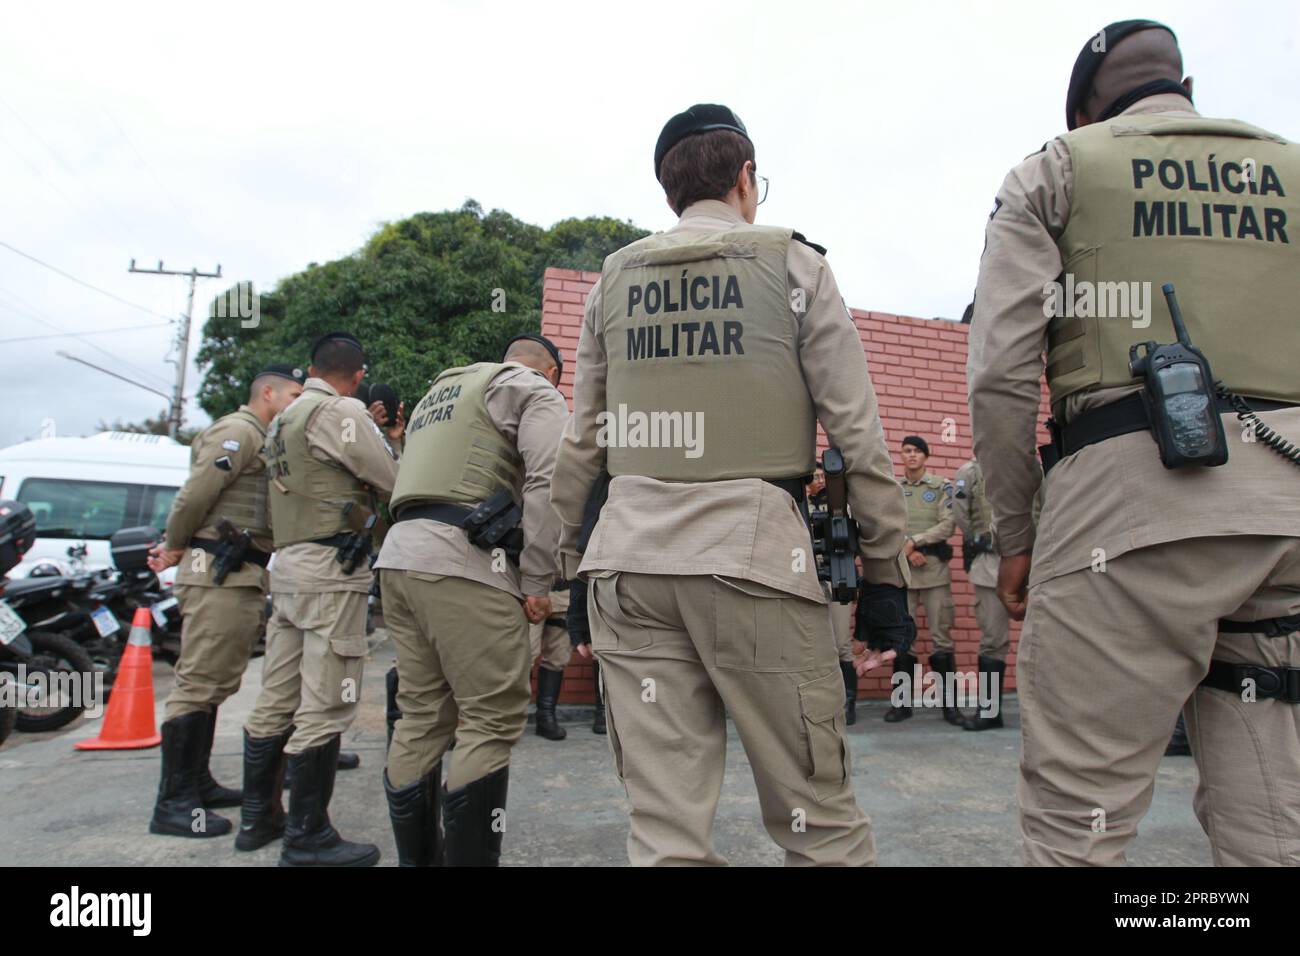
(703, 166)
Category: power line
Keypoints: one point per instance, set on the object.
(63, 335)
(82, 282)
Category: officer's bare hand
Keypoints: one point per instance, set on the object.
(160, 558)
(871, 660)
(1013, 582)
(537, 609)
(916, 559)
(394, 430)
(584, 651)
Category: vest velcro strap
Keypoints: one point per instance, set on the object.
(252, 555)
(1123, 417)
(1269, 626)
(1280, 683)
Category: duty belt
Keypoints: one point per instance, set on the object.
(1122, 417)
(333, 541)
(252, 555)
(796, 488)
(1281, 683)
(446, 513)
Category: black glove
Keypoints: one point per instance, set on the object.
(883, 623)
(575, 619)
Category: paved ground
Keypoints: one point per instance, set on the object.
(937, 796)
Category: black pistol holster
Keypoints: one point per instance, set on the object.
(491, 524)
(972, 548)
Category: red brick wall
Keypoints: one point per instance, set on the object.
(918, 368)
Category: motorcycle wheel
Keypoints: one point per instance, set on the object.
(55, 653)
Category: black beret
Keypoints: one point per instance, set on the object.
(700, 118)
(919, 442)
(336, 337)
(541, 340)
(1089, 60)
(291, 372)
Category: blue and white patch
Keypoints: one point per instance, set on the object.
(230, 444)
(930, 495)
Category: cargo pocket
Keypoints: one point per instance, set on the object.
(822, 704)
(611, 627)
(349, 646)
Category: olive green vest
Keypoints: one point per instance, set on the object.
(925, 503)
(454, 451)
(307, 495)
(981, 517)
(704, 381)
(243, 501)
(1161, 199)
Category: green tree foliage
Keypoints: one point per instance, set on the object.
(436, 290)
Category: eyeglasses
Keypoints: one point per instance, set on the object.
(762, 188)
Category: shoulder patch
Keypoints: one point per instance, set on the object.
(230, 444)
(224, 463)
(997, 204)
(799, 237)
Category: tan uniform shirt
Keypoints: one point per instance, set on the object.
(1111, 497)
(226, 449)
(744, 528)
(339, 431)
(529, 411)
(984, 571)
(929, 522)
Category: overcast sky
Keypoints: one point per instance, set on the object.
(265, 136)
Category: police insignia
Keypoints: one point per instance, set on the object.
(230, 444)
(224, 463)
(930, 495)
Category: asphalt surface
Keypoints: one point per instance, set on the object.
(937, 796)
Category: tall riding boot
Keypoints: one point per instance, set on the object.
(903, 663)
(212, 793)
(394, 712)
(309, 837)
(996, 671)
(261, 816)
(179, 809)
(1179, 745)
(416, 810)
(944, 665)
(850, 692)
(548, 695)
(598, 720)
(470, 817)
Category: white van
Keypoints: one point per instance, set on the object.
(83, 489)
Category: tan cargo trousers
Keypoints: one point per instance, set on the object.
(462, 658)
(551, 643)
(219, 631)
(311, 673)
(1106, 661)
(842, 629)
(674, 651)
(994, 624)
(939, 613)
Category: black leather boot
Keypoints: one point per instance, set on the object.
(902, 663)
(944, 665)
(348, 760)
(394, 712)
(470, 819)
(850, 692)
(548, 694)
(261, 815)
(212, 793)
(598, 720)
(309, 837)
(179, 809)
(1179, 745)
(996, 671)
(416, 811)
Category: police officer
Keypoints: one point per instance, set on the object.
(329, 468)
(703, 591)
(548, 644)
(971, 509)
(222, 621)
(458, 604)
(1148, 585)
(841, 615)
(930, 523)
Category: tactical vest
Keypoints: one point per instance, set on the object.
(981, 517)
(243, 501)
(704, 382)
(1161, 199)
(454, 451)
(311, 507)
(925, 503)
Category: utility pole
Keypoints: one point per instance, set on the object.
(175, 415)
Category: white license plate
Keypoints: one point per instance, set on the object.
(105, 622)
(11, 625)
(160, 612)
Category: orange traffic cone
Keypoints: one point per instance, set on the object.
(129, 721)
